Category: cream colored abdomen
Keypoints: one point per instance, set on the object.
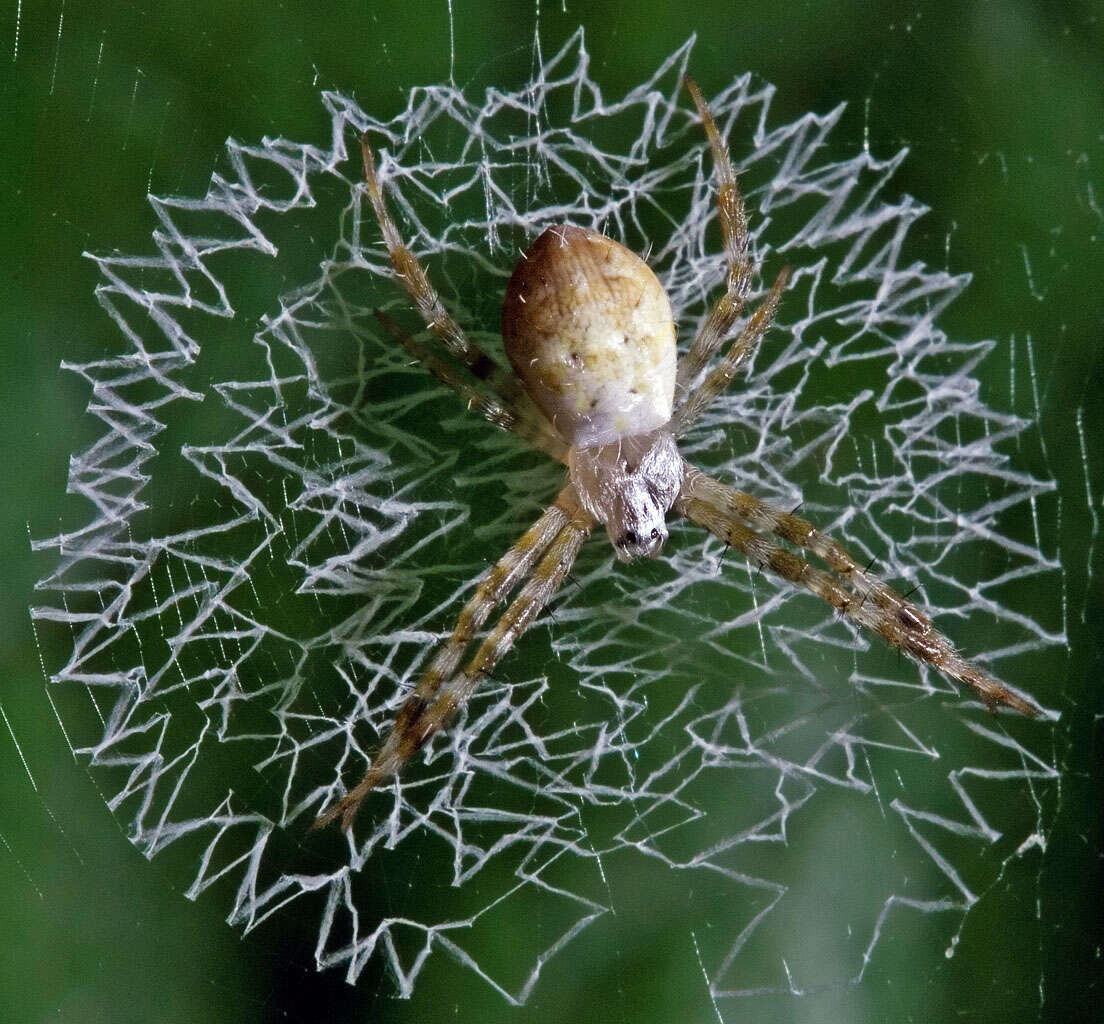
(588, 329)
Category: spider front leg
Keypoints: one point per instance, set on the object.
(557, 536)
(862, 598)
(761, 515)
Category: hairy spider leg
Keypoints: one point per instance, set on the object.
(732, 515)
(703, 396)
(734, 232)
(868, 601)
(555, 540)
(415, 282)
(793, 529)
(529, 427)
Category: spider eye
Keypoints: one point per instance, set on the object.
(655, 534)
(629, 538)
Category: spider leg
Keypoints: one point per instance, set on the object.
(862, 598)
(502, 414)
(734, 231)
(415, 282)
(761, 515)
(738, 354)
(555, 540)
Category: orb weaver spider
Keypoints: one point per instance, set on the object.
(597, 384)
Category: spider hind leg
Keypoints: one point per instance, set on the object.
(741, 350)
(415, 282)
(723, 316)
(506, 405)
(517, 419)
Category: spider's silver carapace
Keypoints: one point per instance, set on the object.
(597, 384)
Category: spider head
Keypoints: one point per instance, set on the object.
(630, 544)
(630, 485)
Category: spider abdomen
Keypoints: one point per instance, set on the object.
(588, 330)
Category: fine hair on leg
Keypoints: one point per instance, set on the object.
(542, 558)
(415, 282)
(852, 591)
(523, 421)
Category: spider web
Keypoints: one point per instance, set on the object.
(286, 516)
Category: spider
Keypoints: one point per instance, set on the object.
(597, 385)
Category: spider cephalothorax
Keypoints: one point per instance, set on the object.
(629, 485)
(597, 384)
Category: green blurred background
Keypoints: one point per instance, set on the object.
(1002, 107)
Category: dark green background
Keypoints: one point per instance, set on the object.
(1002, 107)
